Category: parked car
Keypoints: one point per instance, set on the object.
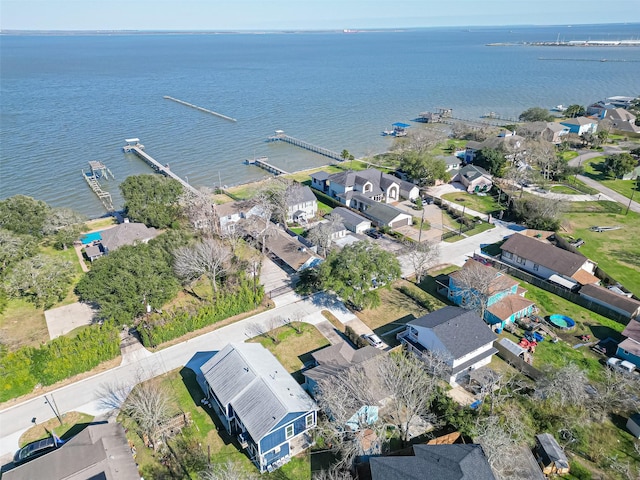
(621, 365)
(373, 233)
(374, 340)
(34, 450)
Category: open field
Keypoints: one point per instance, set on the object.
(617, 252)
(594, 169)
(486, 204)
(564, 189)
(293, 349)
(22, 324)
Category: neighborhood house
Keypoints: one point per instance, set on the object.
(259, 402)
(475, 179)
(126, 233)
(302, 205)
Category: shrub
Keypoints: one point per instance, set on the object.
(579, 471)
(418, 296)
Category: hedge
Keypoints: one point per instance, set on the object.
(159, 329)
(62, 357)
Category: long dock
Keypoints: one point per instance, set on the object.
(134, 146)
(263, 162)
(105, 197)
(202, 109)
(282, 137)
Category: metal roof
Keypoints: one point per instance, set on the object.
(401, 125)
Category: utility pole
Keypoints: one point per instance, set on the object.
(53, 409)
(633, 190)
(421, 222)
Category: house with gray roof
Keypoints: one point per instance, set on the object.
(259, 402)
(351, 220)
(442, 462)
(100, 451)
(475, 179)
(619, 302)
(507, 142)
(622, 120)
(302, 205)
(458, 336)
(384, 215)
(581, 125)
(126, 233)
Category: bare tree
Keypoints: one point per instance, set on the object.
(422, 256)
(420, 140)
(227, 471)
(260, 226)
(617, 392)
(148, 405)
(201, 211)
(281, 194)
(474, 283)
(321, 234)
(412, 388)
(564, 387)
(503, 444)
(331, 474)
(208, 257)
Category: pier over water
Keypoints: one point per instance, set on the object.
(282, 137)
(202, 109)
(134, 146)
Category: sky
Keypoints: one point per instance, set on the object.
(305, 14)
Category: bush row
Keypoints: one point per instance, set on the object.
(159, 329)
(418, 296)
(356, 339)
(62, 357)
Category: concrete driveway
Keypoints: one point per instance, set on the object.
(62, 320)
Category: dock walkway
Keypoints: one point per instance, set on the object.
(137, 149)
(263, 162)
(282, 137)
(202, 109)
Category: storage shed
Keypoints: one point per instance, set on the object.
(633, 425)
(550, 455)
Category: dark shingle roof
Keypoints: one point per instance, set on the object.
(545, 254)
(383, 213)
(348, 216)
(126, 234)
(461, 331)
(605, 295)
(441, 462)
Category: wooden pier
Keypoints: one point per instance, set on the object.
(133, 146)
(202, 109)
(263, 162)
(282, 137)
(99, 170)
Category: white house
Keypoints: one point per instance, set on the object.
(458, 336)
(547, 261)
(581, 125)
(475, 179)
(352, 221)
(302, 205)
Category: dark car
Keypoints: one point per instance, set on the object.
(34, 450)
(373, 233)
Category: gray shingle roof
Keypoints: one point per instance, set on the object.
(98, 451)
(126, 234)
(301, 195)
(441, 462)
(545, 254)
(260, 390)
(461, 331)
(629, 305)
(349, 217)
(383, 213)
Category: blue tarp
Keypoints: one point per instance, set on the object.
(401, 125)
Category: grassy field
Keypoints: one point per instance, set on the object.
(207, 430)
(395, 310)
(22, 324)
(293, 349)
(564, 189)
(617, 252)
(486, 204)
(594, 169)
(72, 424)
(479, 228)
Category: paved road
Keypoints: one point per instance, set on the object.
(84, 395)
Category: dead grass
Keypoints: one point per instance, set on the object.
(333, 320)
(293, 349)
(100, 223)
(22, 325)
(72, 423)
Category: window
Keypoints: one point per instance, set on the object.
(288, 432)
(520, 260)
(276, 450)
(507, 254)
(535, 267)
(308, 420)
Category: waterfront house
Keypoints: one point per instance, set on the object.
(348, 187)
(475, 179)
(127, 233)
(629, 348)
(503, 297)
(622, 120)
(260, 403)
(352, 221)
(581, 125)
(547, 261)
(550, 456)
(302, 205)
(619, 302)
(100, 451)
(231, 214)
(507, 142)
(444, 462)
(456, 335)
(552, 132)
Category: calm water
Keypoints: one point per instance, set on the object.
(66, 100)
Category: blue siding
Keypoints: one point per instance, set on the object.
(271, 456)
(278, 434)
(623, 354)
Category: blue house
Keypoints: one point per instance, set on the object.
(629, 348)
(257, 400)
(503, 300)
(581, 125)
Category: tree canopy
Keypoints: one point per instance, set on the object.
(574, 111)
(536, 114)
(492, 160)
(125, 281)
(423, 168)
(620, 164)
(539, 212)
(152, 199)
(353, 272)
(23, 215)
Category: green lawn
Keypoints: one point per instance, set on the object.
(628, 188)
(486, 204)
(568, 155)
(72, 424)
(617, 252)
(564, 189)
(594, 169)
(479, 228)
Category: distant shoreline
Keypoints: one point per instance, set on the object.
(573, 43)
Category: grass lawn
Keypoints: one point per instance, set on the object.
(617, 252)
(485, 204)
(395, 310)
(22, 324)
(293, 349)
(564, 189)
(479, 228)
(72, 424)
(100, 223)
(568, 155)
(324, 209)
(594, 169)
(297, 230)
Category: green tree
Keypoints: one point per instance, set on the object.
(620, 164)
(64, 226)
(23, 215)
(152, 199)
(42, 280)
(574, 111)
(125, 281)
(492, 160)
(14, 247)
(536, 114)
(353, 272)
(423, 168)
(345, 154)
(540, 213)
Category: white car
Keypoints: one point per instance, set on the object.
(622, 365)
(374, 340)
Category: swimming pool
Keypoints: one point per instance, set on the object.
(563, 322)
(88, 238)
